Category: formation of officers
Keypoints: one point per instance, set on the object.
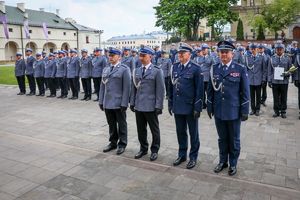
(224, 80)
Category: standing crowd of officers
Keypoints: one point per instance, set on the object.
(224, 80)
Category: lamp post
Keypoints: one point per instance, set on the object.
(99, 34)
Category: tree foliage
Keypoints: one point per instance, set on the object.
(240, 30)
(183, 16)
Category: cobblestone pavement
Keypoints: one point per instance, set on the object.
(51, 149)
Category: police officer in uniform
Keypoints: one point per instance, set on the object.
(29, 71)
(114, 98)
(20, 73)
(185, 101)
(49, 77)
(39, 72)
(73, 69)
(146, 100)
(257, 75)
(278, 79)
(228, 101)
(127, 59)
(173, 52)
(261, 51)
(165, 64)
(61, 74)
(98, 62)
(296, 77)
(85, 74)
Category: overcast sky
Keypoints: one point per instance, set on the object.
(115, 17)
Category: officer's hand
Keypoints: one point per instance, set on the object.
(263, 83)
(244, 117)
(132, 108)
(101, 107)
(270, 85)
(210, 114)
(285, 75)
(170, 111)
(196, 114)
(296, 83)
(158, 111)
(123, 109)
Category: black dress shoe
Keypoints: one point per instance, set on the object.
(120, 150)
(38, 95)
(59, 97)
(42, 95)
(220, 167)
(257, 113)
(191, 164)
(232, 171)
(96, 100)
(153, 156)
(109, 148)
(283, 115)
(65, 96)
(49, 96)
(252, 112)
(140, 154)
(30, 94)
(179, 160)
(276, 115)
(88, 98)
(264, 104)
(19, 93)
(83, 99)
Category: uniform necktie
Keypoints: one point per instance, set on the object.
(225, 67)
(143, 72)
(181, 67)
(112, 68)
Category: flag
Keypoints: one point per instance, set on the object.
(3, 20)
(26, 29)
(45, 30)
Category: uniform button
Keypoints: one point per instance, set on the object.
(223, 99)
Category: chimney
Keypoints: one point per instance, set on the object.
(42, 9)
(21, 6)
(2, 6)
(57, 12)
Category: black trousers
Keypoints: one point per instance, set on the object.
(40, 83)
(21, 83)
(52, 85)
(31, 82)
(73, 82)
(205, 94)
(86, 84)
(263, 93)
(299, 97)
(117, 123)
(255, 95)
(63, 86)
(167, 85)
(280, 97)
(97, 83)
(142, 119)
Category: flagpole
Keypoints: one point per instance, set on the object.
(22, 45)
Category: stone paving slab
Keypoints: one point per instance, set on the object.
(52, 149)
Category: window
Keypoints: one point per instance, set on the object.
(74, 34)
(49, 32)
(30, 31)
(10, 29)
(87, 40)
(65, 33)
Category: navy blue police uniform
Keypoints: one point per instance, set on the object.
(20, 73)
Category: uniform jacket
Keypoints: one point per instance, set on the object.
(275, 61)
(39, 68)
(73, 67)
(86, 67)
(205, 63)
(98, 63)
(29, 65)
(20, 67)
(50, 69)
(61, 68)
(257, 69)
(129, 62)
(165, 64)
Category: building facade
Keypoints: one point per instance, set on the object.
(62, 34)
(251, 7)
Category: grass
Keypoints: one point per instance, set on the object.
(7, 75)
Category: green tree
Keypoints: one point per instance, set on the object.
(280, 14)
(261, 33)
(183, 16)
(240, 30)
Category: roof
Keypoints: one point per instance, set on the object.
(36, 18)
(132, 37)
(83, 28)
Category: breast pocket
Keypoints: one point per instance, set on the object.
(188, 76)
(234, 79)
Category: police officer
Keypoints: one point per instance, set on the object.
(113, 99)
(157, 55)
(29, 71)
(49, 77)
(185, 101)
(134, 55)
(73, 69)
(206, 62)
(296, 77)
(39, 72)
(61, 74)
(237, 57)
(257, 75)
(261, 51)
(228, 101)
(146, 100)
(20, 73)
(98, 62)
(127, 59)
(278, 79)
(165, 64)
(294, 50)
(173, 52)
(85, 74)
